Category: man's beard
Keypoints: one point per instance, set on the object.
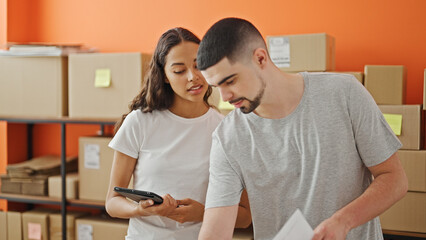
(253, 104)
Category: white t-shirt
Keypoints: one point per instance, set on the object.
(172, 157)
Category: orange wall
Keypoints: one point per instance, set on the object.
(366, 32)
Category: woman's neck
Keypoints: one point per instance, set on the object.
(190, 110)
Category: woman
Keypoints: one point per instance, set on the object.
(164, 141)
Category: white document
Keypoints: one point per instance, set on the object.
(279, 50)
(296, 228)
(92, 156)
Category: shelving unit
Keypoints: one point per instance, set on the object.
(397, 235)
(63, 201)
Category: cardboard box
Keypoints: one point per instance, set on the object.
(102, 85)
(55, 186)
(305, 52)
(95, 161)
(406, 215)
(3, 225)
(414, 163)
(9, 185)
(412, 124)
(55, 221)
(44, 165)
(36, 224)
(358, 75)
(97, 228)
(36, 185)
(386, 83)
(14, 225)
(33, 86)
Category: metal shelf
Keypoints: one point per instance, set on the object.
(63, 202)
(30, 199)
(399, 235)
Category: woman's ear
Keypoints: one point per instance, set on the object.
(167, 81)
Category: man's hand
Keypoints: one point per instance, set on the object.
(331, 229)
(188, 210)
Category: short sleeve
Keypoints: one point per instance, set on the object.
(375, 140)
(129, 137)
(225, 186)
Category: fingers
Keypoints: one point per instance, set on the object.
(169, 201)
(185, 201)
(146, 203)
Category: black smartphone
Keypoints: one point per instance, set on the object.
(137, 195)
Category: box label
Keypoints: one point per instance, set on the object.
(34, 231)
(85, 232)
(279, 50)
(91, 156)
(395, 122)
(102, 78)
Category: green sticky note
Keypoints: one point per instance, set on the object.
(225, 105)
(102, 78)
(395, 122)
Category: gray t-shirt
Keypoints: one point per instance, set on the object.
(314, 159)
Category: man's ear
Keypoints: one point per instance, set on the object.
(260, 57)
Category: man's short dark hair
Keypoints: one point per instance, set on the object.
(230, 38)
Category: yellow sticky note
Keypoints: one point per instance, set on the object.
(34, 231)
(102, 78)
(395, 122)
(225, 105)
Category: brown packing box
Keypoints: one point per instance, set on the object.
(3, 225)
(307, 52)
(386, 83)
(97, 228)
(55, 186)
(414, 163)
(9, 185)
(44, 165)
(409, 214)
(14, 225)
(412, 124)
(358, 75)
(95, 161)
(33, 86)
(55, 227)
(36, 185)
(35, 224)
(424, 91)
(126, 71)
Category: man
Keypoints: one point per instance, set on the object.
(311, 141)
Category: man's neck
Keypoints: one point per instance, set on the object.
(283, 94)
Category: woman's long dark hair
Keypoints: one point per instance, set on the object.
(156, 94)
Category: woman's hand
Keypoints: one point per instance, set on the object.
(188, 210)
(148, 208)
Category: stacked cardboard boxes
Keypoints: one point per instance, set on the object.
(409, 214)
(30, 177)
